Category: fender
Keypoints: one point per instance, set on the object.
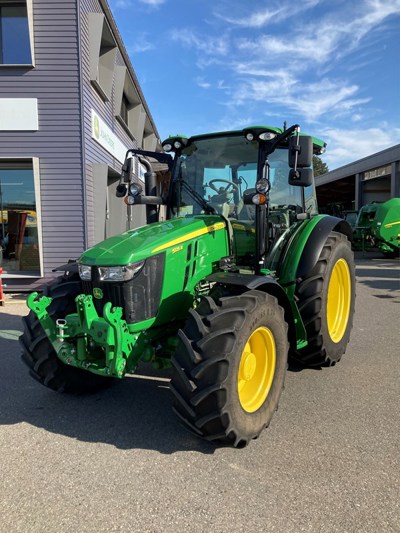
(316, 241)
(297, 333)
(71, 266)
(304, 246)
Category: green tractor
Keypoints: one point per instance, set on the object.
(378, 226)
(242, 274)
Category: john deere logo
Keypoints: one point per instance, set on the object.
(97, 293)
(96, 127)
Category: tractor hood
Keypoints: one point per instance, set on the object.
(143, 242)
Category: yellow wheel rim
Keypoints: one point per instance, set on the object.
(339, 297)
(256, 369)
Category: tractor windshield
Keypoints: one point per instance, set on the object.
(212, 174)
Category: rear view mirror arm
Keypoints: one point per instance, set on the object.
(158, 156)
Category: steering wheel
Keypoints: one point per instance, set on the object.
(230, 188)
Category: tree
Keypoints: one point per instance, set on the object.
(319, 166)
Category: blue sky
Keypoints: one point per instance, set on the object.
(332, 67)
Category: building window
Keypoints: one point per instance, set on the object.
(19, 241)
(125, 105)
(103, 50)
(128, 107)
(14, 34)
(378, 172)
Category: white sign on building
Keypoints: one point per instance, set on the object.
(19, 114)
(107, 138)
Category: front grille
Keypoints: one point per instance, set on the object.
(139, 297)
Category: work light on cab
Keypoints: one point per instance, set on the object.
(262, 186)
(257, 133)
(167, 147)
(135, 189)
(267, 136)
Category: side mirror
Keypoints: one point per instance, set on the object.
(302, 177)
(301, 146)
(126, 172)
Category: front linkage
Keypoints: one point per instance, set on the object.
(103, 345)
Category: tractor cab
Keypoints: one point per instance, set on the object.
(229, 174)
(223, 170)
(258, 180)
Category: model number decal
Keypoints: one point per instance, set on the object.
(177, 249)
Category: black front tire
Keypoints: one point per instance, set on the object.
(207, 361)
(39, 355)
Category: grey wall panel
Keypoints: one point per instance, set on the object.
(57, 143)
(100, 173)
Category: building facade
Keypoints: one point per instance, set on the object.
(70, 108)
(375, 178)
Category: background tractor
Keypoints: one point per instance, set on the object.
(378, 226)
(242, 274)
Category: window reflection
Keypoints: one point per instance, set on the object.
(19, 243)
(14, 34)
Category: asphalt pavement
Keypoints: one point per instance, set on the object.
(119, 461)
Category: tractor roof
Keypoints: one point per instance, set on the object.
(319, 145)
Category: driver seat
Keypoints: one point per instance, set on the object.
(220, 202)
(222, 208)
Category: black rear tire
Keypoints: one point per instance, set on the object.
(208, 360)
(312, 300)
(39, 355)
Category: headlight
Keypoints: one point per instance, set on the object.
(85, 272)
(120, 273)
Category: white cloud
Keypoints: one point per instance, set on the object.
(289, 73)
(347, 145)
(255, 20)
(281, 71)
(205, 61)
(202, 83)
(153, 2)
(310, 101)
(222, 86)
(258, 69)
(329, 38)
(142, 44)
(311, 45)
(219, 85)
(229, 123)
(263, 17)
(121, 4)
(218, 45)
(125, 4)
